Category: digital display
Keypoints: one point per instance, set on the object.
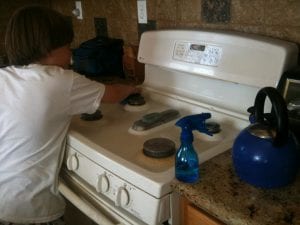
(196, 47)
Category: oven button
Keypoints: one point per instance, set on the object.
(72, 162)
(123, 197)
(102, 184)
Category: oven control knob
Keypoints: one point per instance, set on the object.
(72, 162)
(123, 197)
(102, 184)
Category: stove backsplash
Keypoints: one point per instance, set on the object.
(260, 17)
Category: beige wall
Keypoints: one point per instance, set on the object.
(276, 18)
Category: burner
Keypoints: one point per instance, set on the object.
(135, 103)
(159, 147)
(91, 117)
(135, 99)
(213, 127)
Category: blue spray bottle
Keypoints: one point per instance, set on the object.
(186, 161)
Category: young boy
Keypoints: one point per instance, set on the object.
(38, 97)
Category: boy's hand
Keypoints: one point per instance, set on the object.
(117, 92)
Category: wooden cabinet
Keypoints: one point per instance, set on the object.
(192, 215)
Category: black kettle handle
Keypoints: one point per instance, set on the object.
(278, 107)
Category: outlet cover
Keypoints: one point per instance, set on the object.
(142, 11)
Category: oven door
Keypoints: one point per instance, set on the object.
(99, 210)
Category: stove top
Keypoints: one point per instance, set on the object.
(113, 141)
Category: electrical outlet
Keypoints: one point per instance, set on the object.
(142, 11)
(78, 10)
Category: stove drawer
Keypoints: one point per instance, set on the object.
(122, 195)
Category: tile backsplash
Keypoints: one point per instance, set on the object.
(216, 11)
(118, 18)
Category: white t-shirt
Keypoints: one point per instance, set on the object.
(36, 106)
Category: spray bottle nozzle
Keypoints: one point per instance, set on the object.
(193, 122)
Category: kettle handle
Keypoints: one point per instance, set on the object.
(278, 107)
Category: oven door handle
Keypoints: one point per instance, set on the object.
(84, 206)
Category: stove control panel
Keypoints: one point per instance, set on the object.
(203, 54)
(120, 192)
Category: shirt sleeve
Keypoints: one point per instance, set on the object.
(85, 95)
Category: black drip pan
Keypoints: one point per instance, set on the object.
(159, 147)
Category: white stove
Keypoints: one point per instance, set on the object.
(106, 173)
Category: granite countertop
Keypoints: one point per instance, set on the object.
(223, 195)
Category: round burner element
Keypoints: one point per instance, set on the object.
(213, 127)
(91, 117)
(159, 147)
(135, 103)
(136, 100)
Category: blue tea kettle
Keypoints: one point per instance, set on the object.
(265, 154)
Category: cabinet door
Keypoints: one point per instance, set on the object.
(191, 215)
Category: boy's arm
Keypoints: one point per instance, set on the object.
(117, 92)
